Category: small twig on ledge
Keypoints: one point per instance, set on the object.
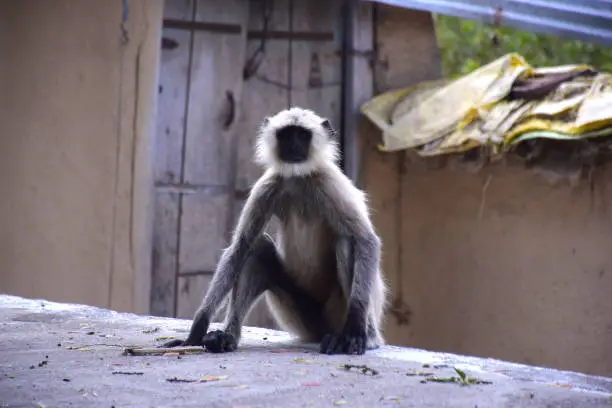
(133, 351)
(87, 347)
(205, 379)
(180, 380)
(363, 368)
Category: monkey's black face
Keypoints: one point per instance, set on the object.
(293, 143)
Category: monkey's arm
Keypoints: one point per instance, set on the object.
(361, 252)
(359, 272)
(255, 214)
(366, 254)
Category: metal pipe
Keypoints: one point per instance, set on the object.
(584, 20)
(349, 117)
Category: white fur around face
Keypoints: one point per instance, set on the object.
(323, 152)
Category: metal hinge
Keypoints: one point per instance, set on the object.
(370, 55)
(208, 190)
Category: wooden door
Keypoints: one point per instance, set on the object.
(208, 116)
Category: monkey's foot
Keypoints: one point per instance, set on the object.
(218, 341)
(343, 344)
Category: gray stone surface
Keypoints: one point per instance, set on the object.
(59, 355)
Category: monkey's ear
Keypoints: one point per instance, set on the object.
(329, 129)
(265, 121)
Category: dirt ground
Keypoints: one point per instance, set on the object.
(61, 355)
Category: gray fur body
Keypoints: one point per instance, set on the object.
(321, 273)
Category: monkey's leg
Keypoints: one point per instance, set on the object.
(229, 269)
(254, 216)
(245, 288)
(253, 281)
(263, 271)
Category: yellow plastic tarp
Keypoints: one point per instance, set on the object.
(441, 117)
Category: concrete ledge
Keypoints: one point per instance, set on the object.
(55, 354)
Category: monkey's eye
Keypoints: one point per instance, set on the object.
(302, 133)
(294, 132)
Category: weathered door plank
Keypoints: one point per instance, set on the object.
(316, 66)
(216, 88)
(173, 84)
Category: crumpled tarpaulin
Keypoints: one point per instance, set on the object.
(497, 106)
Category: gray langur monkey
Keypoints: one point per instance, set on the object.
(321, 276)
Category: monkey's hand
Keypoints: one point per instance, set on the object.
(178, 343)
(348, 342)
(196, 333)
(216, 341)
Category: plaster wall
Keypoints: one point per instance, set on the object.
(78, 88)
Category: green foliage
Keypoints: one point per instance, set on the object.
(466, 45)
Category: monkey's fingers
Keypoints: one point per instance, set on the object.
(325, 343)
(332, 344)
(173, 343)
(343, 344)
(218, 341)
(355, 345)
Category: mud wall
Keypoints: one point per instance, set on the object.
(498, 263)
